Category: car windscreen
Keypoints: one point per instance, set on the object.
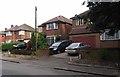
(73, 45)
(56, 44)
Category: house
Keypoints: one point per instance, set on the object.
(2, 37)
(81, 33)
(58, 26)
(18, 33)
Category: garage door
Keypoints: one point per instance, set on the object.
(90, 40)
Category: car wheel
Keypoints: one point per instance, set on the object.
(58, 51)
(69, 54)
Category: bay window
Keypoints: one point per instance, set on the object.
(50, 39)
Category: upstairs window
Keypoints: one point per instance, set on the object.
(21, 32)
(51, 26)
(79, 22)
(8, 33)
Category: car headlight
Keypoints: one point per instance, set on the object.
(55, 49)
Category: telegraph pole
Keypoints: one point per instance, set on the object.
(36, 27)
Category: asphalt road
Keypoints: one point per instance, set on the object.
(9, 68)
(43, 66)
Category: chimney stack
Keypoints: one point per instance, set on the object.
(5, 29)
(12, 26)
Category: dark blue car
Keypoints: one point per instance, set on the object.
(59, 47)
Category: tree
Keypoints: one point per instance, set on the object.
(104, 15)
(58, 38)
(33, 40)
(41, 41)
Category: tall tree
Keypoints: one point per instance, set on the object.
(33, 40)
(41, 41)
(104, 15)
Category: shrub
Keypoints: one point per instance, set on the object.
(21, 52)
(9, 46)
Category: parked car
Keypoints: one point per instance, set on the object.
(59, 47)
(73, 48)
(19, 46)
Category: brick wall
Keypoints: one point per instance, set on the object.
(110, 44)
(63, 30)
(2, 38)
(15, 36)
(86, 38)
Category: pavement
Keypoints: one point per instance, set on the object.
(87, 68)
(80, 68)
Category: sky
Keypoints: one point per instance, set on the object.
(18, 12)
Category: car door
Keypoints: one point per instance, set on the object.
(81, 45)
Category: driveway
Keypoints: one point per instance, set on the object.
(64, 56)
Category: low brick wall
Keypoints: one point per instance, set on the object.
(42, 52)
(100, 54)
(110, 44)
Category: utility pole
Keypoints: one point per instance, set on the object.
(36, 27)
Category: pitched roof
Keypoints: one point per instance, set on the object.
(79, 30)
(13, 28)
(84, 14)
(2, 32)
(21, 27)
(59, 18)
(25, 27)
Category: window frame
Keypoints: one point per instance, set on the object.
(79, 21)
(8, 33)
(51, 26)
(21, 32)
(40, 29)
(50, 39)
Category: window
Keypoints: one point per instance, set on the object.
(50, 39)
(30, 34)
(79, 22)
(21, 32)
(8, 41)
(106, 36)
(40, 29)
(51, 26)
(8, 33)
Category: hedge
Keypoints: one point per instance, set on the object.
(21, 52)
(9, 46)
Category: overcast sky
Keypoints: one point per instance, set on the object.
(17, 12)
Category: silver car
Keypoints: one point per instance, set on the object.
(73, 48)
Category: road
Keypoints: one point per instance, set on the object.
(9, 68)
(43, 66)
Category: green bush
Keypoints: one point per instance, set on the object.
(22, 52)
(9, 46)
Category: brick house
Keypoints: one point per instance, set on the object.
(18, 33)
(81, 33)
(2, 37)
(58, 26)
